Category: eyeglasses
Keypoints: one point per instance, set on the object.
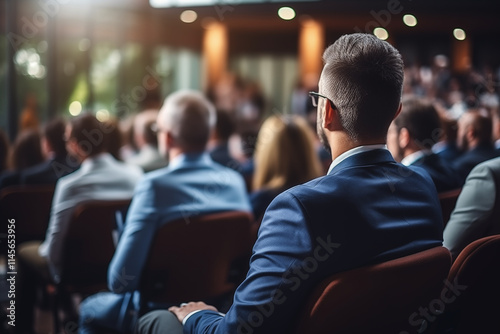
(315, 99)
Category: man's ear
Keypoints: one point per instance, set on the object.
(470, 133)
(404, 138)
(331, 121)
(169, 139)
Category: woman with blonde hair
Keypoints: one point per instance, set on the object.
(285, 156)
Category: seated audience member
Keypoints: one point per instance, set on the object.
(475, 138)
(113, 138)
(180, 190)
(100, 177)
(411, 137)
(26, 152)
(366, 210)
(247, 141)
(219, 143)
(495, 111)
(4, 151)
(129, 147)
(477, 211)
(284, 156)
(447, 147)
(148, 157)
(57, 162)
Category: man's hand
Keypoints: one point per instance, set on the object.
(185, 309)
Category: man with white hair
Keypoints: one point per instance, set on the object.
(180, 190)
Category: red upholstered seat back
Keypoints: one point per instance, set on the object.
(380, 298)
(30, 207)
(89, 244)
(190, 258)
(475, 274)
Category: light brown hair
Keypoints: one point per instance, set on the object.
(285, 154)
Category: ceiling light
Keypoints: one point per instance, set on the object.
(459, 34)
(410, 20)
(286, 13)
(381, 33)
(188, 16)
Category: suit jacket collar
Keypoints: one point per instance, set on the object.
(371, 157)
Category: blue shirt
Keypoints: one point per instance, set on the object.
(190, 186)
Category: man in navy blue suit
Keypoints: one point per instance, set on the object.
(366, 210)
(411, 137)
(58, 164)
(476, 139)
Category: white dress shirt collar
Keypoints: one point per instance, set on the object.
(354, 151)
(412, 158)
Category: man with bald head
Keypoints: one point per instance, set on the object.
(367, 209)
(191, 185)
(474, 137)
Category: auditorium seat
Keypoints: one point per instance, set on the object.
(379, 298)
(192, 259)
(88, 250)
(473, 290)
(30, 207)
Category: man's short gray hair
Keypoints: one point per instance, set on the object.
(190, 118)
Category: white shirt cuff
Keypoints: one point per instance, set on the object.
(190, 314)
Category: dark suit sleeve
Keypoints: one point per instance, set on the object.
(275, 285)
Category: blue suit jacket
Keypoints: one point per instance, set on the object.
(48, 172)
(444, 177)
(467, 161)
(221, 155)
(368, 209)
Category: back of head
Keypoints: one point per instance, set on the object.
(482, 126)
(363, 77)
(86, 130)
(113, 137)
(285, 154)
(143, 134)
(421, 120)
(26, 151)
(190, 118)
(225, 125)
(54, 134)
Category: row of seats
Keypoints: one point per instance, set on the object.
(209, 254)
(217, 248)
(419, 293)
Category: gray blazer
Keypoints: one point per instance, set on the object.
(99, 178)
(476, 213)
